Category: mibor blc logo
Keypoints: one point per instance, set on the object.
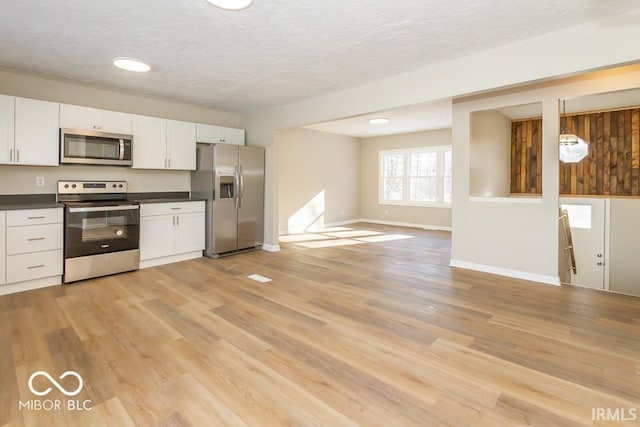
(55, 404)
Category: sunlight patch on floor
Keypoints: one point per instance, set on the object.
(384, 238)
(329, 243)
(339, 236)
(354, 233)
(303, 237)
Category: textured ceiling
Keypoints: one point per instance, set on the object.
(275, 52)
(413, 118)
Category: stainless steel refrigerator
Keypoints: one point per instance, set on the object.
(231, 179)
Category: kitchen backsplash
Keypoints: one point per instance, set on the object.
(23, 179)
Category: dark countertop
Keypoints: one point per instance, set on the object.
(163, 197)
(12, 202)
(45, 201)
(170, 200)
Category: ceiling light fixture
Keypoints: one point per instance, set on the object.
(572, 148)
(379, 121)
(131, 64)
(231, 4)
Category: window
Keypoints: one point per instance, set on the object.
(416, 176)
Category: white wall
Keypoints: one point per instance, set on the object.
(21, 179)
(490, 156)
(370, 208)
(532, 60)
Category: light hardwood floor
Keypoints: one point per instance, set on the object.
(367, 326)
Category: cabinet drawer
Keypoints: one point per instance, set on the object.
(177, 208)
(34, 238)
(34, 266)
(34, 217)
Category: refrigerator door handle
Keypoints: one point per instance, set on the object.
(241, 192)
(236, 185)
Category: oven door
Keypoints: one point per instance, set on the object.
(93, 230)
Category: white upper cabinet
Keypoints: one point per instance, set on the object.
(7, 114)
(149, 142)
(219, 134)
(36, 133)
(232, 136)
(28, 132)
(181, 145)
(163, 144)
(86, 118)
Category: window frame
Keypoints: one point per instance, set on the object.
(406, 153)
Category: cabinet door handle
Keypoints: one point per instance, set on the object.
(35, 217)
(11, 154)
(18, 155)
(169, 162)
(175, 209)
(178, 221)
(35, 266)
(33, 239)
(173, 218)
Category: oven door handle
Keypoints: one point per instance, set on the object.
(105, 208)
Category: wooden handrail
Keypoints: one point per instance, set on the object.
(564, 217)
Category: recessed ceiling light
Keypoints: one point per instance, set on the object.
(231, 4)
(379, 121)
(131, 64)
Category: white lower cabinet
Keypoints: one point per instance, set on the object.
(3, 254)
(32, 256)
(171, 232)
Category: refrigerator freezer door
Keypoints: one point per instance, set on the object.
(251, 192)
(225, 228)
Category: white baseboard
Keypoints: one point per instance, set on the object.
(405, 224)
(270, 248)
(517, 274)
(29, 285)
(169, 259)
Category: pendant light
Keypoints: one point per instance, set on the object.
(572, 149)
(566, 138)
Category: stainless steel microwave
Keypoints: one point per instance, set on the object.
(95, 148)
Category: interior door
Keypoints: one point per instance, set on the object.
(624, 268)
(587, 222)
(251, 202)
(225, 217)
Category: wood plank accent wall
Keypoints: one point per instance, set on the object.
(526, 156)
(611, 169)
(613, 165)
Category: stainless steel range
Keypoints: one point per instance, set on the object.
(102, 229)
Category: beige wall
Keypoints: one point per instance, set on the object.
(490, 155)
(318, 178)
(518, 237)
(370, 209)
(480, 72)
(67, 92)
(22, 179)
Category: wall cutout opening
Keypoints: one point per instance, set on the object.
(610, 124)
(506, 152)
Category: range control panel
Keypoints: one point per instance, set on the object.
(91, 187)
